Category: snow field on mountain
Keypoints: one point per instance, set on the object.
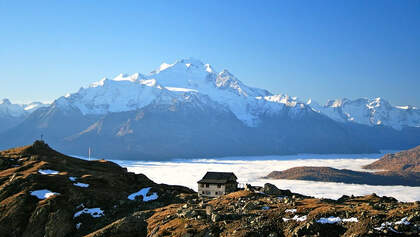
(7, 108)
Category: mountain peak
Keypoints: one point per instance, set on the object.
(225, 72)
(164, 66)
(121, 77)
(336, 103)
(5, 101)
(186, 63)
(191, 60)
(313, 103)
(39, 147)
(126, 77)
(378, 101)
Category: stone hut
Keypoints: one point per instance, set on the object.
(215, 184)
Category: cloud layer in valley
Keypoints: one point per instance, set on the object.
(251, 169)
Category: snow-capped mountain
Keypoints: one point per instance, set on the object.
(12, 114)
(10, 110)
(7, 109)
(173, 82)
(189, 109)
(372, 112)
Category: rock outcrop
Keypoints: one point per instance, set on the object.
(45, 193)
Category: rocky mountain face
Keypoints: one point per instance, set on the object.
(45, 193)
(188, 109)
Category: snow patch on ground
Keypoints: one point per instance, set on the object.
(72, 179)
(291, 210)
(82, 185)
(296, 218)
(94, 212)
(47, 171)
(43, 193)
(352, 219)
(333, 220)
(388, 225)
(143, 192)
(403, 221)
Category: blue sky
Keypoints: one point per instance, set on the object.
(310, 49)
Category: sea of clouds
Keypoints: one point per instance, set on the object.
(252, 169)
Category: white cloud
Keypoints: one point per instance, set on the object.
(251, 169)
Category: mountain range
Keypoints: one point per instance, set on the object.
(188, 109)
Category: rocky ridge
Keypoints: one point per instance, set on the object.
(408, 161)
(45, 193)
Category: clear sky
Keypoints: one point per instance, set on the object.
(310, 49)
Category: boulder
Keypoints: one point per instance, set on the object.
(215, 217)
(209, 210)
(271, 189)
(134, 226)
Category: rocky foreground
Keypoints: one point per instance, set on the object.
(45, 193)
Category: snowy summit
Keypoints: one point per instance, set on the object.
(186, 77)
